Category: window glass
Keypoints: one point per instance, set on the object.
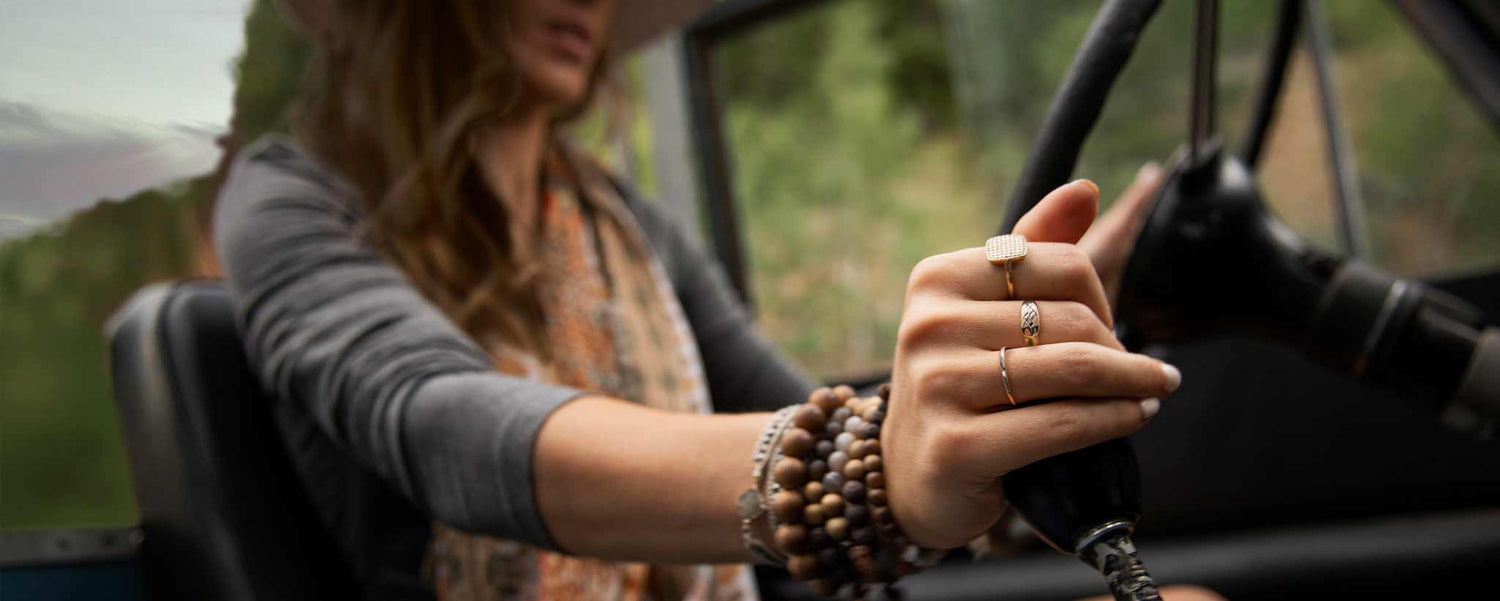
(867, 134)
(110, 119)
(849, 167)
(1429, 163)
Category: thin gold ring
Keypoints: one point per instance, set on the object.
(1005, 377)
(1031, 323)
(1007, 249)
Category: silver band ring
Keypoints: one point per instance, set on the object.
(1031, 323)
(1005, 377)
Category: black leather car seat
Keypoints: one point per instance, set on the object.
(222, 510)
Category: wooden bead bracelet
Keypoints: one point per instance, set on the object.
(827, 497)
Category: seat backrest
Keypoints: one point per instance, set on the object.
(223, 512)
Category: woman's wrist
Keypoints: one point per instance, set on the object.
(616, 480)
(826, 495)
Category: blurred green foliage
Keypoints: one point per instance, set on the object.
(60, 447)
(865, 135)
(61, 461)
(823, 125)
(1429, 164)
(268, 75)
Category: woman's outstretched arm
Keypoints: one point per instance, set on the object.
(623, 481)
(333, 327)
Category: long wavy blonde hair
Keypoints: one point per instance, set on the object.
(395, 94)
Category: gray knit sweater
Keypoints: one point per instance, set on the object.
(392, 415)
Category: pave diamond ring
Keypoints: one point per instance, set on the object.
(1006, 250)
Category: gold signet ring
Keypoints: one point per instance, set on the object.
(1007, 250)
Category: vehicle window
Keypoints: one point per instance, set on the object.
(1429, 163)
(109, 115)
(849, 167)
(867, 134)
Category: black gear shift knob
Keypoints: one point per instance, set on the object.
(1086, 503)
(1066, 497)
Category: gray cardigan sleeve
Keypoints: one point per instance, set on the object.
(332, 326)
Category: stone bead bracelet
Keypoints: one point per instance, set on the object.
(833, 523)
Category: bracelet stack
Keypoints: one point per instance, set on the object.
(827, 496)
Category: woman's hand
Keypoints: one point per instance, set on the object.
(951, 432)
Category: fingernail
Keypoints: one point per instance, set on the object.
(1150, 169)
(1174, 376)
(1090, 184)
(1149, 407)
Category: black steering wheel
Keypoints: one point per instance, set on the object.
(1211, 259)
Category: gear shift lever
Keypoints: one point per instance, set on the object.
(1085, 503)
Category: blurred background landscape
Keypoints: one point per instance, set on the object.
(864, 135)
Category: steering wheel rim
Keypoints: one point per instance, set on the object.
(1080, 99)
(1212, 259)
(1075, 108)
(1103, 55)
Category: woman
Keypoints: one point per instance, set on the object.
(503, 376)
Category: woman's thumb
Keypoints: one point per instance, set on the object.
(1063, 215)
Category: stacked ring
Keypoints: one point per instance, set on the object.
(1006, 250)
(1005, 377)
(1031, 323)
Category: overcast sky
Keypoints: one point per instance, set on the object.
(101, 98)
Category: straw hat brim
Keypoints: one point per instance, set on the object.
(636, 22)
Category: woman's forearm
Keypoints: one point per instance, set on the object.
(617, 480)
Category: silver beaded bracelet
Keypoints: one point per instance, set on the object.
(752, 502)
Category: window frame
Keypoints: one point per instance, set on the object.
(715, 169)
